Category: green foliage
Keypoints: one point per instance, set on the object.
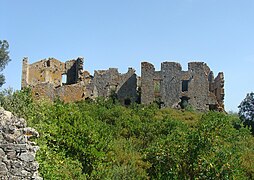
(104, 140)
(4, 59)
(18, 102)
(246, 111)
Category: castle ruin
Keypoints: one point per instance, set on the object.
(173, 87)
(170, 87)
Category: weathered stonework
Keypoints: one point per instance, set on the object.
(110, 82)
(17, 153)
(45, 79)
(171, 86)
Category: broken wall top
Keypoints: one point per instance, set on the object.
(51, 70)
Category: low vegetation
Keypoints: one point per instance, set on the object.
(104, 140)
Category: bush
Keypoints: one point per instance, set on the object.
(20, 103)
(246, 111)
(213, 150)
(103, 140)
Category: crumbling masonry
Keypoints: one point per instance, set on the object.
(173, 87)
(170, 87)
(17, 151)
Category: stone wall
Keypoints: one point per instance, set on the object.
(147, 84)
(199, 95)
(170, 86)
(111, 82)
(217, 87)
(45, 79)
(17, 152)
(171, 83)
(173, 87)
(51, 71)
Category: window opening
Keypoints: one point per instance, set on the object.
(157, 86)
(64, 79)
(185, 84)
(48, 63)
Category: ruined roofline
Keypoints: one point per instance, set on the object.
(65, 66)
(145, 63)
(102, 72)
(130, 68)
(170, 85)
(52, 70)
(45, 59)
(51, 58)
(174, 63)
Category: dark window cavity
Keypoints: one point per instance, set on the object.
(127, 102)
(185, 84)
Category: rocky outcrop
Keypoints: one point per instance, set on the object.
(17, 152)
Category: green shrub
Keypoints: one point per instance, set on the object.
(20, 103)
(211, 151)
(103, 140)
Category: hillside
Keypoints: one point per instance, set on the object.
(104, 140)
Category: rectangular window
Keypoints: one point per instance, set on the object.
(157, 86)
(48, 63)
(185, 84)
(64, 79)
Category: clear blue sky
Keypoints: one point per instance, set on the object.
(113, 33)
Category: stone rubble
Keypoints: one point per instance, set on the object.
(17, 152)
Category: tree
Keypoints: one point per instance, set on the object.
(4, 58)
(246, 111)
